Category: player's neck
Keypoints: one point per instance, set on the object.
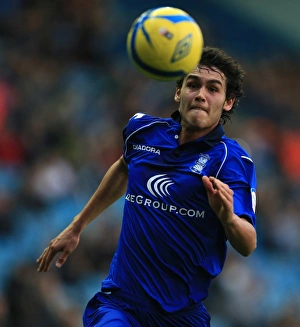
(192, 135)
(189, 137)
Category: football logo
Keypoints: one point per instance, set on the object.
(183, 48)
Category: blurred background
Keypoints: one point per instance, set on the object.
(67, 89)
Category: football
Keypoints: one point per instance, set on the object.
(165, 43)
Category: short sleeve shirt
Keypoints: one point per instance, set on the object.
(172, 243)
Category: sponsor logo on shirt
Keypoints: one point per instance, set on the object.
(158, 186)
(159, 205)
(141, 147)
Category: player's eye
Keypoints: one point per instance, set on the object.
(213, 89)
(192, 85)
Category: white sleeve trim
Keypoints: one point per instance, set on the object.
(224, 159)
(244, 157)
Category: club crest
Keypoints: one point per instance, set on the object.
(200, 163)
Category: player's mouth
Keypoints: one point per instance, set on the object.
(197, 108)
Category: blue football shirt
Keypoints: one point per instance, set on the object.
(172, 244)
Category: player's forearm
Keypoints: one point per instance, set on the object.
(111, 188)
(241, 235)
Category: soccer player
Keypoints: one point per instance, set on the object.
(188, 190)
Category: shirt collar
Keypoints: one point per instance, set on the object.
(176, 116)
(208, 141)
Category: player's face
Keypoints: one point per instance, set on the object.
(202, 98)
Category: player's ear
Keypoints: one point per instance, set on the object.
(177, 95)
(228, 104)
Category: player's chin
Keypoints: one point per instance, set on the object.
(197, 125)
(199, 118)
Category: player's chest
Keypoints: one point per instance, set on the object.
(165, 154)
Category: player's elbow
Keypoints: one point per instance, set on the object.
(246, 251)
(245, 246)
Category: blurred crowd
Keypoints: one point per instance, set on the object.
(67, 90)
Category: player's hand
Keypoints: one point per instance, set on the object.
(220, 198)
(65, 242)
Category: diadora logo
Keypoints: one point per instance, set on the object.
(200, 163)
(158, 185)
(148, 148)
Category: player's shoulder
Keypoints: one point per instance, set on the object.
(143, 118)
(234, 150)
(140, 120)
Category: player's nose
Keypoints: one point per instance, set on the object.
(200, 96)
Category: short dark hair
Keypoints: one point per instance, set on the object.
(234, 74)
